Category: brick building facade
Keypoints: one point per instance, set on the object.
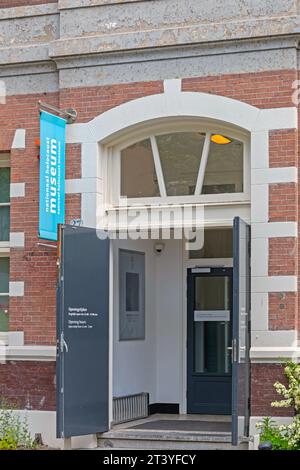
(98, 57)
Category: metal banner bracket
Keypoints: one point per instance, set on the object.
(69, 114)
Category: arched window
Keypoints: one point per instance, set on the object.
(181, 166)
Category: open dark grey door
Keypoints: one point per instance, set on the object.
(82, 333)
(241, 331)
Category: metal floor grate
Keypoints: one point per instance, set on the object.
(130, 407)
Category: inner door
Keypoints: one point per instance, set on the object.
(209, 336)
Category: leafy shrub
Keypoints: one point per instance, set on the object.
(269, 431)
(291, 394)
(287, 436)
(14, 432)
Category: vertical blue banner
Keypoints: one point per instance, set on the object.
(52, 174)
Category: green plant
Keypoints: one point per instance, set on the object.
(287, 436)
(269, 431)
(14, 432)
(291, 394)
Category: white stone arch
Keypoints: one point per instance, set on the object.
(175, 103)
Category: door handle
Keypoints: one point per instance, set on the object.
(233, 350)
(63, 344)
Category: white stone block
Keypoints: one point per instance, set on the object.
(274, 175)
(260, 203)
(274, 283)
(259, 310)
(16, 289)
(259, 256)
(274, 229)
(19, 139)
(17, 189)
(17, 239)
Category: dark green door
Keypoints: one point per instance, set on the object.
(209, 333)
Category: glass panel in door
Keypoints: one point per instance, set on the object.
(212, 331)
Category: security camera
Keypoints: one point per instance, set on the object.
(159, 247)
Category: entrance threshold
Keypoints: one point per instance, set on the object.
(166, 431)
(183, 422)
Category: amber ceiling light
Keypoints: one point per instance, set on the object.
(220, 139)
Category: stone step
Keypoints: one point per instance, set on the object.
(159, 440)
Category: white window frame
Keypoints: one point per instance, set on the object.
(113, 164)
(4, 255)
(4, 245)
(4, 163)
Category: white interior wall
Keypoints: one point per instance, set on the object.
(169, 323)
(152, 365)
(134, 364)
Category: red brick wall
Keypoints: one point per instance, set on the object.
(298, 165)
(283, 252)
(73, 207)
(73, 161)
(283, 256)
(264, 89)
(283, 202)
(92, 101)
(33, 313)
(283, 148)
(282, 310)
(36, 265)
(29, 385)
(23, 3)
(263, 376)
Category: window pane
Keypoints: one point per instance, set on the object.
(132, 292)
(131, 295)
(212, 293)
(224, 170)
(4, 184)
(138, 176)
(4, 275)
(4, 313)
(180, 156)
(211, 354)
(218, 243)
(212, 337)
(4, 223)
